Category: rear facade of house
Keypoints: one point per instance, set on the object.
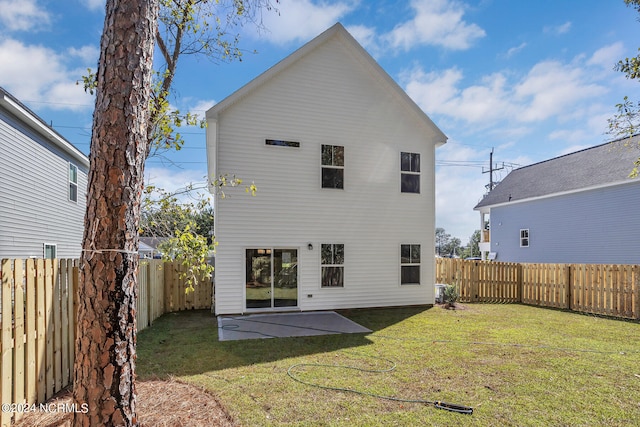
(578, 208)
(343, 162)
(43, 180)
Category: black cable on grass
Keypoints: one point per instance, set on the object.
(452, 407)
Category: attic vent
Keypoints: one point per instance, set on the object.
(281, 143)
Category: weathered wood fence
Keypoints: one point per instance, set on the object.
(611, 290)
(37, 303)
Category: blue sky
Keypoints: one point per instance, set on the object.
(530, 79)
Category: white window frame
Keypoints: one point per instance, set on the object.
(50, 245)
(73, 184)
(411, 263)
(524, 238)
(332, 165)
(331, 265)
(410, 171)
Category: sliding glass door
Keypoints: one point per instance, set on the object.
(271, 278)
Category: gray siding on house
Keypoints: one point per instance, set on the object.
(572, 228)
(34, 194)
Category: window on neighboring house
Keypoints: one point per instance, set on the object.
(73, 182)
(332, 166)
(409, 264)
(410, 172)
(332, 265)
(281, 143)
(49, 251)
(524, 238)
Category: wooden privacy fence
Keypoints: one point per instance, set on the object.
(611, 290)
(37, 303)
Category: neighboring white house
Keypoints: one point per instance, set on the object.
(344, 163)
(43, 180)
(578, 208)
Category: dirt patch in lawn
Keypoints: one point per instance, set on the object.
(160, 403)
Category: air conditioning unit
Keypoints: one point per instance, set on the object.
(440, 287)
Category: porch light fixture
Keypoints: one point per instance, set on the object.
(310, 246)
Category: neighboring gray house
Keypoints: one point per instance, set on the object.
(577, 208)
(43, 181)
(344, 162)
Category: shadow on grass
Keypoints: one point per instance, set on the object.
(186, 343)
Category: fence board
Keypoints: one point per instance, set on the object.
(6, 368)
(41, 336)
(31, 332)
(18, 335)
(64, 316)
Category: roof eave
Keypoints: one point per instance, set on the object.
(35, 123)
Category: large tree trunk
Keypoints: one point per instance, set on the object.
(104, 369)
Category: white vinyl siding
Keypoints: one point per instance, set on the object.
(320, 102)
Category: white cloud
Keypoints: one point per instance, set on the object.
(94, 4)
(200, 107)
(552, 88)
(516, 49)
(88, 54)
(366, 36)
(558, 29)
(39, 74)
(302, 20)
(437, 23)
(440, 94)
(23, 15)
(607, 56)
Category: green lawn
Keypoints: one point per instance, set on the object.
(515, 365)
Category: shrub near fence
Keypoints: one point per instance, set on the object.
(611, 290)
(38, 321)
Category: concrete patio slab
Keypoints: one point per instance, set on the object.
(279, 325)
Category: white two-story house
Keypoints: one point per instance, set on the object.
(343, 161)
(43, 181)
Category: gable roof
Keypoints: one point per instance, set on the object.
(602, 165)
(34, 122)
(337, 30)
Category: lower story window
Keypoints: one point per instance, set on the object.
(409, 264)
(332, 260)
(50, 251)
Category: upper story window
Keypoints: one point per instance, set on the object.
(409, 264)
(333, 166)
(332, 260)
(524, 238)
(281, 143)
(73, 182)
(410, 172)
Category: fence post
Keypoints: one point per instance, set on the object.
(635, 289)
(568, 287)
(519, 283)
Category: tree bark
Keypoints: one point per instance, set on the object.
(105, 353)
